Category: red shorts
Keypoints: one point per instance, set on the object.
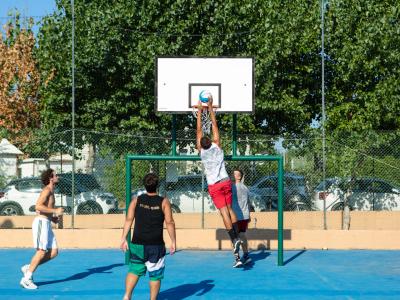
(221, 193)
(243, 225)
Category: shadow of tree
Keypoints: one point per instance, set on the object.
(81, 275)
(7, 224)
(186, 290)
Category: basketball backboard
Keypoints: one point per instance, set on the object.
(180, 80)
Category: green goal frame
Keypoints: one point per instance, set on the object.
(174, 157)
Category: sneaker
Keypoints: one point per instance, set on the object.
(238, 263)
(24, 269)
(28, 284)
(236, 245)
(246, 259)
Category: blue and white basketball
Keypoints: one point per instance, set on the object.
(203, 96)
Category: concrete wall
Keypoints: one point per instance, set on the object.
(8, 165)
(303, 230)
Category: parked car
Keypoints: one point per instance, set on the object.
(365, 194)
(186, 194)
(20, 198)
(264, 193)
(88, 181)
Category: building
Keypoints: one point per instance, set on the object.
(9, 159)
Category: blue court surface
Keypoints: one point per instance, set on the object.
(307, 274)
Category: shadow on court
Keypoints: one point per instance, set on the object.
(82, 275)
(256, 257)
(186, 290)
(293, 257)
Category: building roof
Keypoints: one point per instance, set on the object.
(7, 148)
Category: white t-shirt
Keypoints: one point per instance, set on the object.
(213, 162)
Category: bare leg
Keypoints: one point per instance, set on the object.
(232, 214)
(224, 211)
(243, 237)
(130, 282)
(154, 289)
(36, 259)
(52, 253)
(41, 257)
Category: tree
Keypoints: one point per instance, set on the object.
(363, 65)
(116, 46)
(19, 82)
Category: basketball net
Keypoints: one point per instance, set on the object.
(205, 119)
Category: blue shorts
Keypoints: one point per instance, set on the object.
(149, 258)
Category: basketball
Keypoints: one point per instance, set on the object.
(203, 96)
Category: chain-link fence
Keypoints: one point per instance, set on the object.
(362, 172)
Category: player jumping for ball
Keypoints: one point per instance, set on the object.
(219, 184)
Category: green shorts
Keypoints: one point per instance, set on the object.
(147, 257)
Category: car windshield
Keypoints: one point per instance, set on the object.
(64, 186)
(328, 184)
(86, 180)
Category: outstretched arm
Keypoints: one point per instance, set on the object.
(170, 224)
(199, 132)
(128, 224)
(215, 131)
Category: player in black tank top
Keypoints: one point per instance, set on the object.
(149, 220)
(147, 250)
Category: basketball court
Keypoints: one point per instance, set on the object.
(307, 274)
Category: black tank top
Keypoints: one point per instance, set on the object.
(149, 221)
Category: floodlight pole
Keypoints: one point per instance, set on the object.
(73, 113)
(323, 3)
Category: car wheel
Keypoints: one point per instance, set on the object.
(175, 209)
(89, 208)
(295, 199)
(338, 206)
(11, 209)
(300, 207)
(296, 203)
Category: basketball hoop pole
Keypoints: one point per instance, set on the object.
(234, 135)
(173, 134)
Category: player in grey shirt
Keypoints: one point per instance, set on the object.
(241, 205)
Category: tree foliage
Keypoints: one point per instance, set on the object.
(19, 82)
(363, 65)
(116, 46)
(117, 42)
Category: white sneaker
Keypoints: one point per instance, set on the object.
(28, 284)
(24, 269)
(238, 263)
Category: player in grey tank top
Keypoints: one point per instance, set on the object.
(219, 184)
(241, 206)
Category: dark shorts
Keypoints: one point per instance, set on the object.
(243, 225)
(221, 193)
(149, 258)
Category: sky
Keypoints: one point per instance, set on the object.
(27, 8)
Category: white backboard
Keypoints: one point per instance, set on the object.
(179, 81)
